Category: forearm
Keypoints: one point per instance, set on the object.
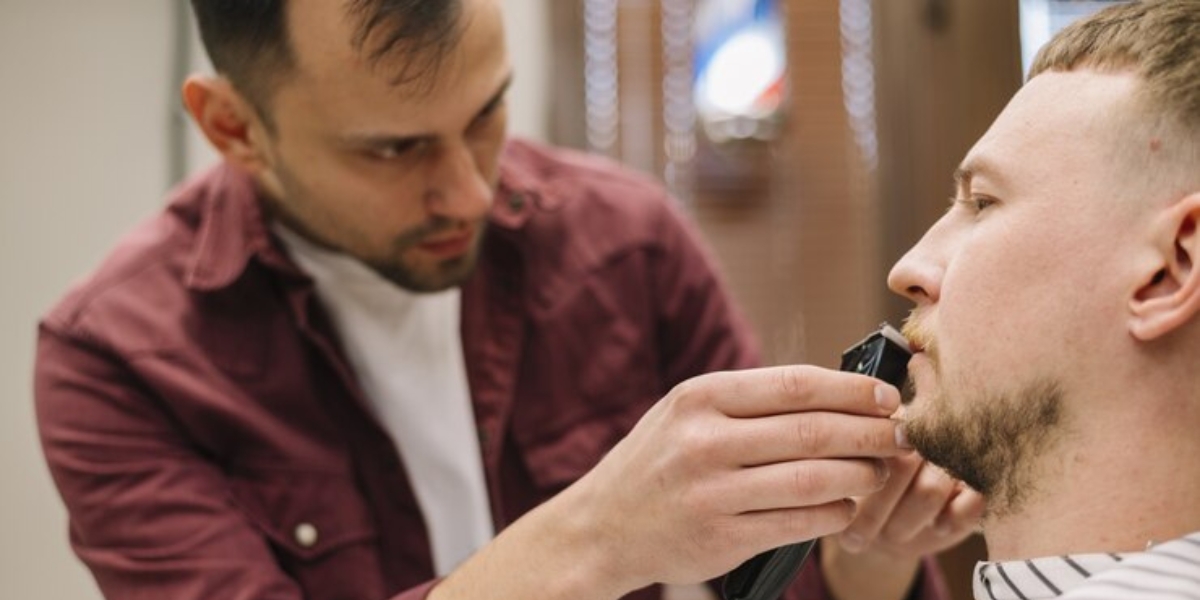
(550, 553)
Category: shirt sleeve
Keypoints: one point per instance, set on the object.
(149, 515)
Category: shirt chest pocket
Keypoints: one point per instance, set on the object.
(556, 461)
(590, 374)
(319, 528)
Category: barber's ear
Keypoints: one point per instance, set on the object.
(227, 119)
(1170, 296)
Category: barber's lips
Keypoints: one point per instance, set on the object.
(449, 246)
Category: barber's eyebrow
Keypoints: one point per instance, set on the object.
(496, 98)
(379, 140)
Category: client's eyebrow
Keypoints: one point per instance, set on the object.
(973, 168)
(963, 176)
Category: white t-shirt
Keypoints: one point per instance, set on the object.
(406, 349)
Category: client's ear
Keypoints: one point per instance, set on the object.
(1170, 296)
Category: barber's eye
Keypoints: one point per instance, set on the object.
(397, 150)
(485, 116)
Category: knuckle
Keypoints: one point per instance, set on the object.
(700, 442)
(837, 515)
(806, 480)
(844, 513)
(875, 437)
(684, 390)
(932, 486)
(698, 506)
(817, 521)
(793, 381)
(883, 473)
(692, 394)
(868, 476)
(810, 434)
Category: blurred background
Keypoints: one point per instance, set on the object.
(811, 140)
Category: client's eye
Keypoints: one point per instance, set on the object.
(976, 203)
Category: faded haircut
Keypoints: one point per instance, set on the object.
(1159, 42)
(249, 43)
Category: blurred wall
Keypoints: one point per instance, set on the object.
(84, 113)
(87, 103)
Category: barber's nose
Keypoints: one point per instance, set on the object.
(458, 188)
(918, 274)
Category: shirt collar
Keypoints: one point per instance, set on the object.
(521, 187)
(233, 226)
(1038, 578)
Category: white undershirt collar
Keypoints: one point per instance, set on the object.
(406, 349)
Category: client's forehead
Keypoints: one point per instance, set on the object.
(1060, 124)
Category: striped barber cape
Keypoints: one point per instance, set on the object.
(1167, 571)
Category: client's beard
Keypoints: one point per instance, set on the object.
(992, 441)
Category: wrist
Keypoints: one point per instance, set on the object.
(556, 551)
(872, 574)
(588, 546)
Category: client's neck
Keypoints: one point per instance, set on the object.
(1111, 485)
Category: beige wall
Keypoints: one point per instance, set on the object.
(83, 113)
(85, 104)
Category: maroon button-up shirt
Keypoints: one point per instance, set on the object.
(210, 440)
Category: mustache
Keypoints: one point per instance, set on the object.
(919, 335)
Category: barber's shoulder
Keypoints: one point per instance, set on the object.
(148, 259)
(584, 179)
(602, 203)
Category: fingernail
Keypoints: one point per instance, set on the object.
(887, 397)
(851, 542)
(883, 472)
(902, 438)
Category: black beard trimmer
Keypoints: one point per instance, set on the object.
(884, 355)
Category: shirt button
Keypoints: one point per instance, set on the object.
(516, 202)
(306, 535)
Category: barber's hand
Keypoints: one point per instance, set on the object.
(921, 511)
(727, 465)
(732, 464)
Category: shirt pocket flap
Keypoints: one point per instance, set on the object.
(306, 515)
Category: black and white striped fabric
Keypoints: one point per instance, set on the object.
(1167, 571)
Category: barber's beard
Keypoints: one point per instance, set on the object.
(992, 439)
(435, 276)
(304, 214)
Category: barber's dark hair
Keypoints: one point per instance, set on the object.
(248, 40)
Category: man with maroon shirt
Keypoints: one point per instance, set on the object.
(380, 333)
